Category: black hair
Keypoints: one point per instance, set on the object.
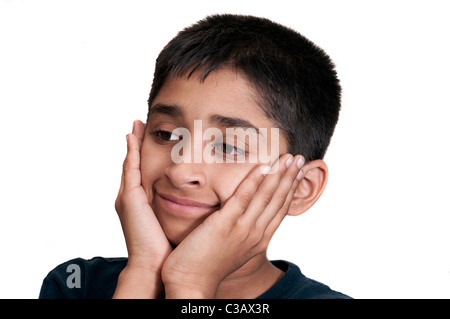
(296, 80)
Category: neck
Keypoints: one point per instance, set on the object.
(250, 280)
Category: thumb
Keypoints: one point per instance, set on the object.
(131, 164)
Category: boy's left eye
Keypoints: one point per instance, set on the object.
(228, 149)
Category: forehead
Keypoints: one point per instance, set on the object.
(223, 92)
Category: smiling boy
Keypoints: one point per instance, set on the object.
(200, 229)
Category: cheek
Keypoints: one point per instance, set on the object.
(228, 178)
(153, 165)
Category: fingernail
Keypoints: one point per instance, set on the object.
(289, 161)
(265, 170)
(300, 162)
(299, 175)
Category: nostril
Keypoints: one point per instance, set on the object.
(193, 182)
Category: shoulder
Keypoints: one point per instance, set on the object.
(83, 278)
(295, 285)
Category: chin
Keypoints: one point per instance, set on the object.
(177, 230)
(175, 238)
(178, 224)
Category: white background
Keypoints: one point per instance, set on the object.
(75, 74)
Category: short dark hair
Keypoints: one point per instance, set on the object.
(295, 79)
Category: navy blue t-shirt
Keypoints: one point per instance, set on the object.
(96, 278)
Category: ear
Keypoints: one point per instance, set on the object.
(310, 187)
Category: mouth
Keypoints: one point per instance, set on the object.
(184, 206)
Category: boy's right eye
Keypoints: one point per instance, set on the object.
(166, 136)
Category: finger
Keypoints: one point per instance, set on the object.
(243, 195)
(281, 214)
(131, 165)
(122, 178)
(118, 201)
(122, 182)
(280, 198)
(264, 195)
(139, 131)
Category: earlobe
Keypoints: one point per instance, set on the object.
(310, 187)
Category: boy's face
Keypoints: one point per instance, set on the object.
(183, 195)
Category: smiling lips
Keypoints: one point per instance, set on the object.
(185, 206)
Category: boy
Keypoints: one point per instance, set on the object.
(200, 228)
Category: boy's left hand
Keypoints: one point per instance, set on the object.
(233, 235)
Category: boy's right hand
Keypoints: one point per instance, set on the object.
(146, 242)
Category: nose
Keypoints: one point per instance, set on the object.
(186, 175)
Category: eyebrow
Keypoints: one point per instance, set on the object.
(170, 110)
(227, 121)
(220, 120)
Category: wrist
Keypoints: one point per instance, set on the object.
(144, 264)
(188, 286)
(182, 291)
(139, 281)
